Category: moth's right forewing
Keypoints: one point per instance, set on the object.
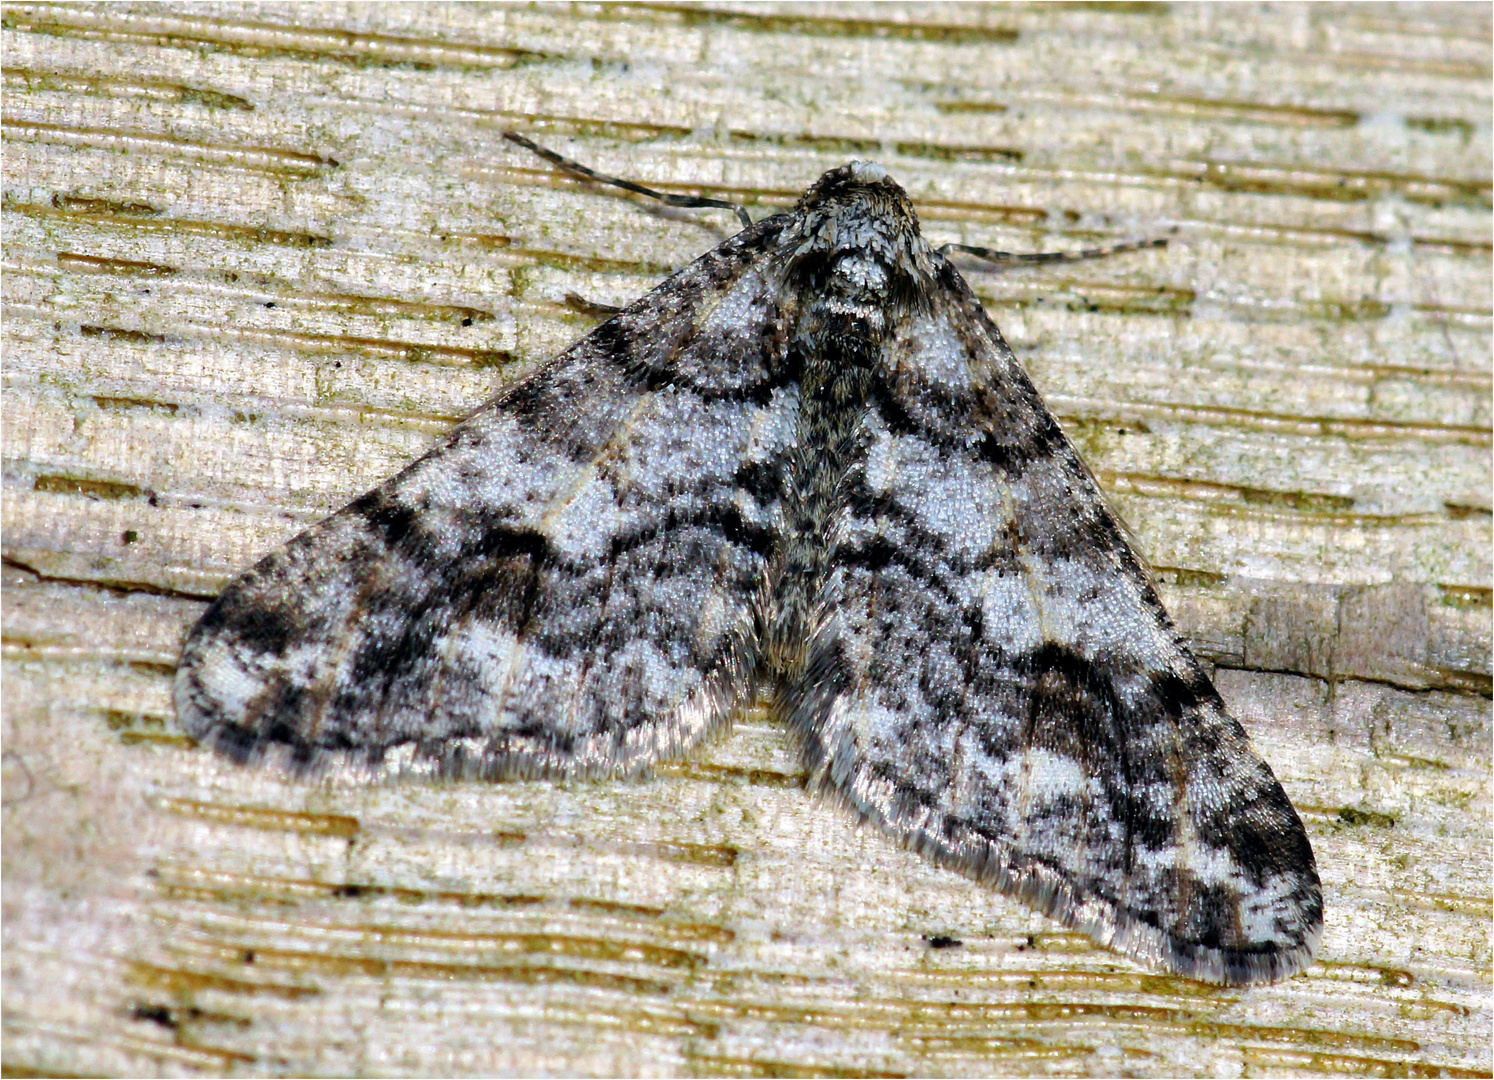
(564, 586)
(996, 682)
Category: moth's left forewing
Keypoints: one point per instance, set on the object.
(995, 679)
(563, 586)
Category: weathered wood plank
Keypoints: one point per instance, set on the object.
(257, 257)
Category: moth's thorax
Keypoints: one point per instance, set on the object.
(855, 252)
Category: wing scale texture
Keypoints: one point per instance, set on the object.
(807, 466)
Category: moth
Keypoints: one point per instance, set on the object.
(805, 468)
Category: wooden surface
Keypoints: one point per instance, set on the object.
(257, 257)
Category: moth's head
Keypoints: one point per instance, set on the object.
(859, 212)
(860, 189)
(855, 245)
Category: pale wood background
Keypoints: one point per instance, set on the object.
(256, 257)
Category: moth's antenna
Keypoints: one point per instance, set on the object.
(577, 302)
(691, 201)
(993, 256)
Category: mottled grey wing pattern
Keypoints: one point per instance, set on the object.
(807, 463)
(995, 681)
(563, 586)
